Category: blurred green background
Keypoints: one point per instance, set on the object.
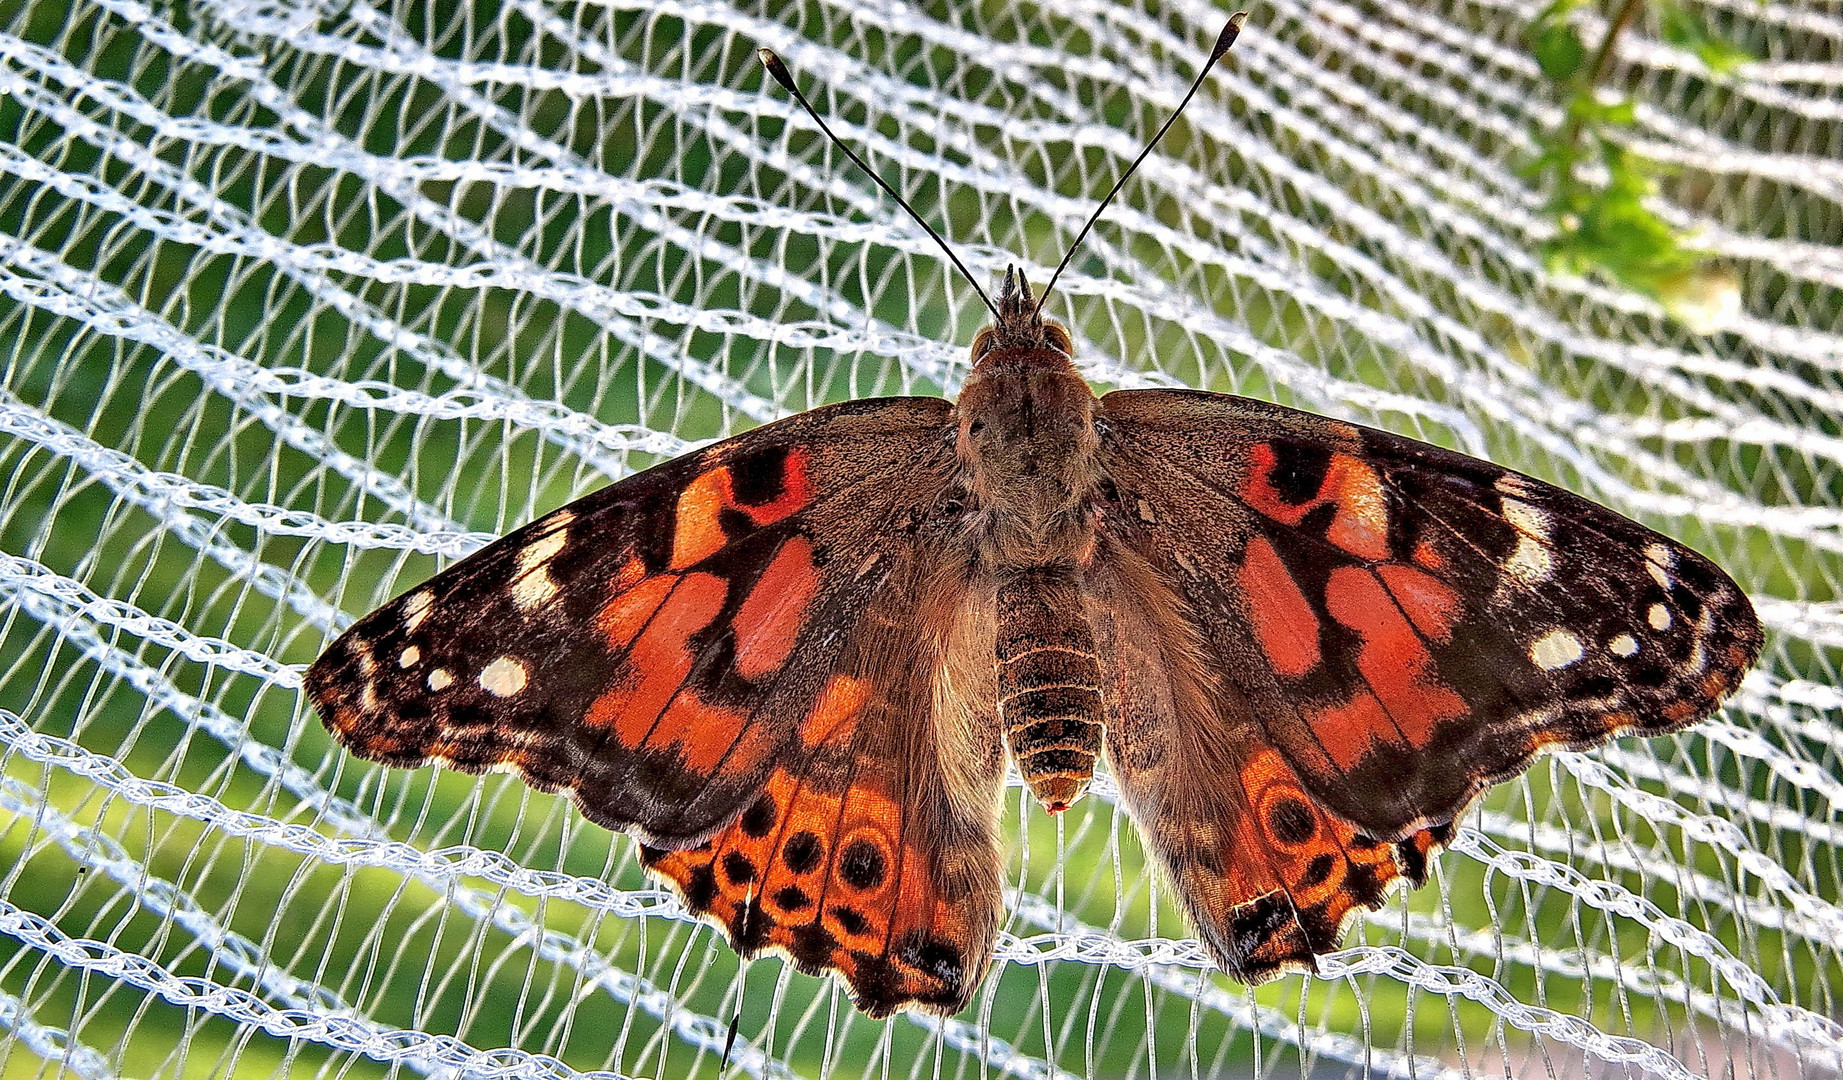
(231, 346)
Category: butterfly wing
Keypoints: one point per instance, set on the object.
(1267, 874)
(874, 852)
(651, 647)
(720, 656)
(1401, 625)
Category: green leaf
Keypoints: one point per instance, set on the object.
(1559, 50)
(1683, 29)
(1590, 110)
(1556, 10)
(1723, 57)
(1604, 227)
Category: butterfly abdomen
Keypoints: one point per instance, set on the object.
(1049, 679)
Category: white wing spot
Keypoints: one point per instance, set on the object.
(409, 657)
(1623, 645)
(1555, 649)
(1658, 617)
(503, 677)
(1512, 484)
(416, 609)
(1658, 561)
(535, 589)
(1531, 562)
(541, 550)
(439, 679)
(1527, 519)
(532, 584)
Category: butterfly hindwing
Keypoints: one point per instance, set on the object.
(653, 647)
(1267, 874)
(874, 850)
(1410, 625)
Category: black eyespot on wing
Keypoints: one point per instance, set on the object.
(802, 852)
(1292, 821)
(1318, 871)
(759, 820)
(862, 866)
(851, 919)
(738, 868)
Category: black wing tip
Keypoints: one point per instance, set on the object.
(1413, 860)
(1443, 799)
(1259, 941)
(944, 1003)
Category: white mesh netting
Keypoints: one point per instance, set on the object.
(304, 300)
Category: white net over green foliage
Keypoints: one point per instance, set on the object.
(303, 299)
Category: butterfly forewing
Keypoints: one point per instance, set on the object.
(651, 647)
(1410, 625)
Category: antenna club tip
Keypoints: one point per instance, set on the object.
(1230, 31)
(775, 67)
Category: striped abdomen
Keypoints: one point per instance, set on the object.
(1049, 681)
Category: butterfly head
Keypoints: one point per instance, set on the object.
(1026, 419)
(1020, 327)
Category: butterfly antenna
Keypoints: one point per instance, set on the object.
(1223, 41)
(781, 75)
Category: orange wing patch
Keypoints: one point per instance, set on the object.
(1431, 604)
(659, 654)
(1394, 662)
(835, 715)
(1283, 617)
(771, 616)
(650, 623)
(1351, 486)
(697, 531)
(651, 707)
(765, 488)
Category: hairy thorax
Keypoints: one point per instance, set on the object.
(1026, 449)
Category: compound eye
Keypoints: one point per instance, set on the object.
(982, 343)
(1058, 338)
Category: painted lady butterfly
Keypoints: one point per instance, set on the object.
(794, 663)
